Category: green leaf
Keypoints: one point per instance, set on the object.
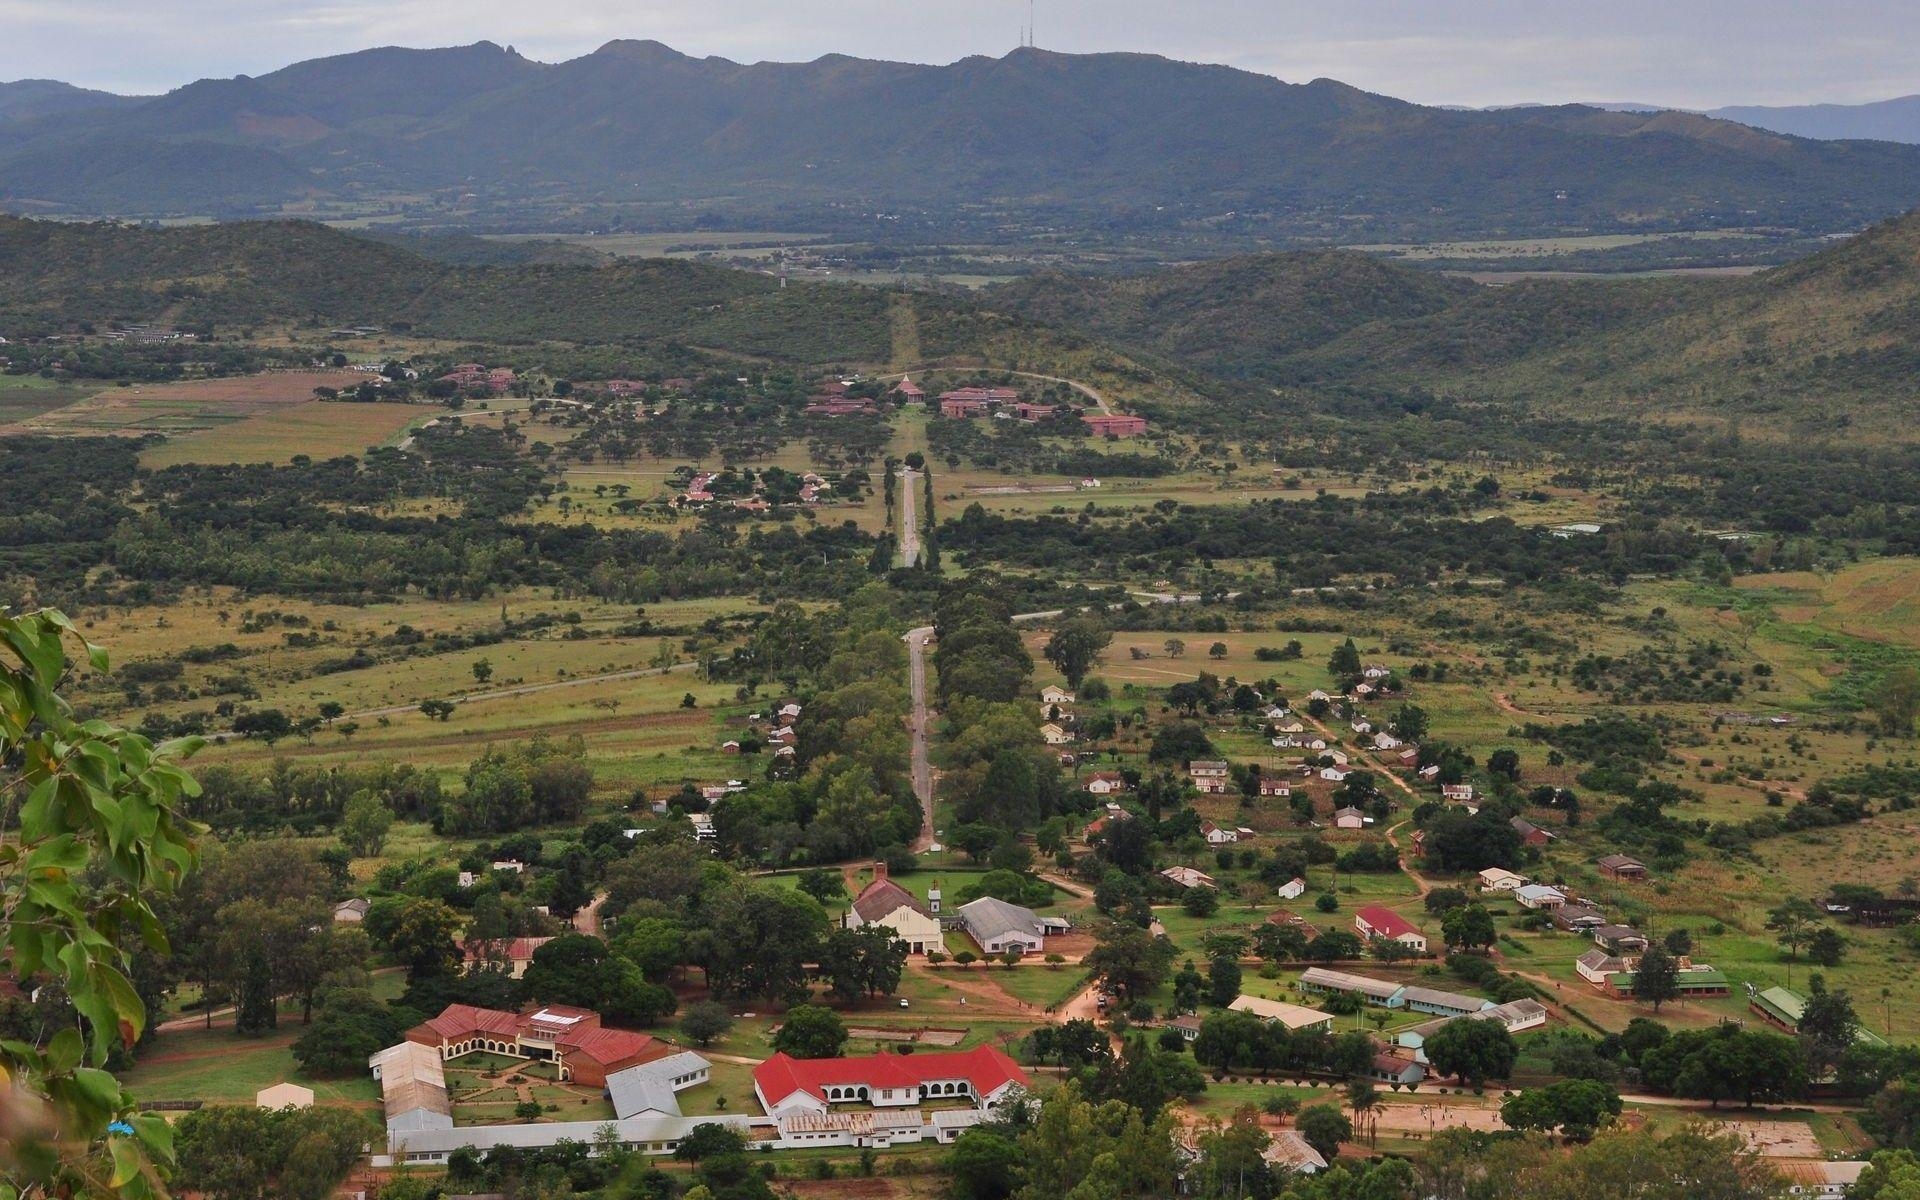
(65, 1051)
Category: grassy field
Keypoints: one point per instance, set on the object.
(317, 429)
(24, 397)
(186, 407)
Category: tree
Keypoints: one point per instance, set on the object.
(364, 824)
(1468, 928)
(482, 671)
(1897, 702)
(862, 961)
(1410, 722)
(1826, 947)
(350, 1025)
(1174, 647)
(1223, 981)
(1657, 979)
(1128, 959)
(1076, 646)
(983, 1165)
(1344, 662)
(811, 1031)
(421, 935)
(1217, 650)
(704, 1021)
(1828, 1026)
(1578, 1108)
(1793, 924)
(97, 839)
(1201, 901)
(1679, 941)
(1078, 1147)
(437, 710)
(1472, 1051)
(1325, 1127)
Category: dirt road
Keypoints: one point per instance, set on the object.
(922, 766)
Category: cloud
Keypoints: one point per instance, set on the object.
(1699, 53)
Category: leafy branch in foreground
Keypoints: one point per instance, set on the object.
(95, 835)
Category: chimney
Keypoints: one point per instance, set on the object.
(879, 870)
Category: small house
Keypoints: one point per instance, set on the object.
(1530, 834)
(1374, 921)
(1539, 896)
(1293, 888)
(1218, 835)
(1209, 776)
(1622, 866)
(1499, 879)
(1349, 818)
(1055, 734)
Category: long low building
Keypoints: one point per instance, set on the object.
(982, 1076)
(1442, 1003)
(1382, 992)
(1516, 1015)
(1293, 1016)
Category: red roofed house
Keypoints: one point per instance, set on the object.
(908, 391)
(788, 1086)
(1114, 424)
(571, 1038)
(1373, 921)
(972, 401)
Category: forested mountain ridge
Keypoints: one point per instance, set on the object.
(1133, 137)
(1811, 346)
(54, 274)
(1236, 316)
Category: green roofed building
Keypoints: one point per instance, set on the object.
(1698, 981)
(1780, 1006)
(1785, 1007)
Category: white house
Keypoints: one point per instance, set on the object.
(1055, 735)
(1209, 776)
(1539, 895)
(1456, 791)
(1335, 774)
(1349, 817)
(1386, 741)
(1499, 879)
(1050, 696)
(1293, 888)
(1275, 785)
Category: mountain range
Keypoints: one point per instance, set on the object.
(638, 134)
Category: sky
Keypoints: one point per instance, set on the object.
(1686, 53)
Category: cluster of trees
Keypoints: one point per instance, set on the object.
(235, 1152)
(539, 782)
(997, 770)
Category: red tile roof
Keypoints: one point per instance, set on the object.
(983, 1067)
(611, 1048)
(882, 898)
(1386, 922)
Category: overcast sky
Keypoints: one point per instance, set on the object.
(1692, 53)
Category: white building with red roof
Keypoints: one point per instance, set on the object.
(982, 1076)
(1374, 921)
(570, 1038)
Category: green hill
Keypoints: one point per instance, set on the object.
(57, 275)
(1235, 316)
